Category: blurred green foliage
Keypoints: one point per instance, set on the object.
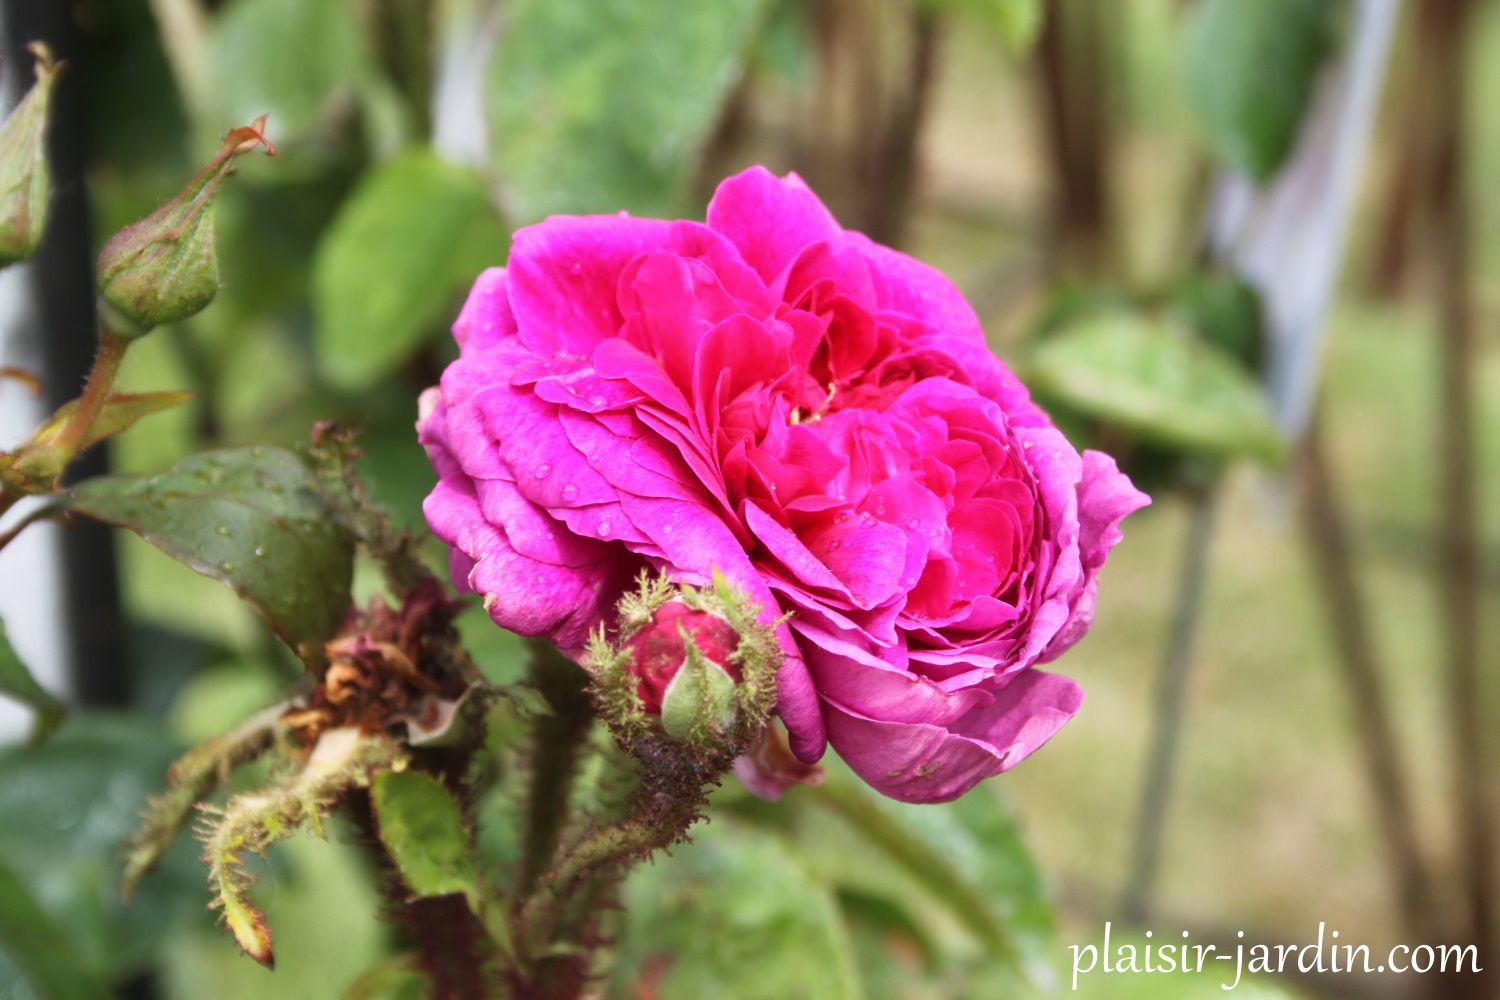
(1251, 70)
(606, 106)
(411, 237)
(345, 258)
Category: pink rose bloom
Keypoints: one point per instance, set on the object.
(815, 415)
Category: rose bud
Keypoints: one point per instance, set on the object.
(685, 663)
(24, 180)
(698, 663)
(165, 268)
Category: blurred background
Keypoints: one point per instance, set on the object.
(1249, 248)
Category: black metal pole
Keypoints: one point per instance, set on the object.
(61, 289)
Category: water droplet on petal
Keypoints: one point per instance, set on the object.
(569, 491)
(604, 529)
(543, 471)
(597, 400)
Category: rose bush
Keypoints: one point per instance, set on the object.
(813, 414)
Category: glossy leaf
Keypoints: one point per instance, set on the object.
(249, 517)
(423, 830)
(1252, 69)
(16, 682)
(1158, 379)
(606, 106)
(387, 275)
(41, 946)
(733, 914)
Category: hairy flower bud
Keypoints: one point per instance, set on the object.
(24, 180)
(697, 663)
(685, 662)
(165, 267)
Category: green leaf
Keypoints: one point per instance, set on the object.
(16, 682)
(119, 413)
(291, 59)
(1225, 311)
(414, 233)
(606, 106)
(966, 857)
(733, 914)
(1251, 69)
(422, 829)
(251, 518)
(68, 805)
(40, 946)
(399, 977)
(1158, 379)
(37, 460)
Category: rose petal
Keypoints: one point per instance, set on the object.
(918, 762)
(769, 218)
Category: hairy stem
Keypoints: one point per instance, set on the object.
(95, 391)
(597, 852)
(452, 944)
(556, 749)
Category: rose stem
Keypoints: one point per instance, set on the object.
(95, 391)
(554, 758)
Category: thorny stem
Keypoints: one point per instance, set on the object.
(95, 391)
(598, 851)
(664, 807)
(447, 934)
(557, 747)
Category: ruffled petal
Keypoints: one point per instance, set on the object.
(564, 274)
(769, 218)
(1105, 498)
(920, 762)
